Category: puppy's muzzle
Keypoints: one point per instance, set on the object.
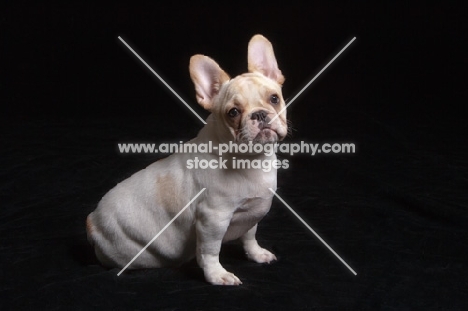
(262, 118)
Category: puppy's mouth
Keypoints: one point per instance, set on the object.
(266, 135)
(256, 128)
(261, 136)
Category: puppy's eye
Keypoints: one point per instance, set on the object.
(234, 112)
(274, 99)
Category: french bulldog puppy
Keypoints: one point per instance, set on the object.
(234, 200)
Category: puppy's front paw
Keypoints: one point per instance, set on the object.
(261, 255)
(222, 277)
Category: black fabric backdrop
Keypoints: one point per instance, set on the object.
(395, 210)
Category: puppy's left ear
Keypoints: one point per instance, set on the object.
(208, 78)
(261, 58)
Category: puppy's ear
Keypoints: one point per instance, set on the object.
(261, 58)
(208, 78)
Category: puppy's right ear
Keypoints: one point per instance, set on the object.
(208, 78)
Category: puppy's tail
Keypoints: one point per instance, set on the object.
(90, 229)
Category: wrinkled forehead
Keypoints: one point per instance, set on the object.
(251, 83)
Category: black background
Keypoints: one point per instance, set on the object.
(395, 210)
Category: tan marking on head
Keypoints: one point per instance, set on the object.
(250, 90)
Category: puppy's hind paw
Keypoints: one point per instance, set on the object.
(222, 277)
(261, 256)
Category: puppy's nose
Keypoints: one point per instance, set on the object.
(260, 116)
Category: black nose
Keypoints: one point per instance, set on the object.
(259, 116)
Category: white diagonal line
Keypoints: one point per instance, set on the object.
(161, 79)
(312, 230)
(313, 79)
(160, 232)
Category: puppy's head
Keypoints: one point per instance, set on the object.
(244, 105)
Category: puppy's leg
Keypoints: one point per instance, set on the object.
(211, 227)
(253, 250)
